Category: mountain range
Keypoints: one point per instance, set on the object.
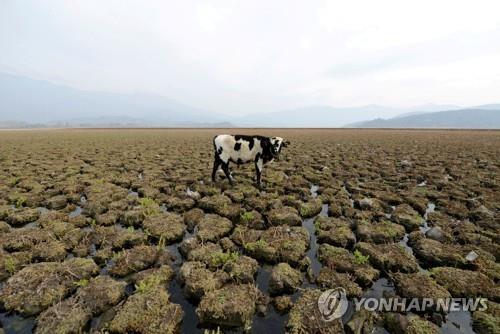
(26, 102)
(480, 117)
(31, 101)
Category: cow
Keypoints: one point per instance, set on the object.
(241, 149)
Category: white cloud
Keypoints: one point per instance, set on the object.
(209, 16)
(241, 56)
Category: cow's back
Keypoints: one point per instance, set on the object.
(237, 148)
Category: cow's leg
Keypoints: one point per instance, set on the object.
(258, 170)
(217, 162)
(225, 168)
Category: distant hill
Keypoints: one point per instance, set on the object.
(28, 103)
(476, 118)
(25, 102)
(493, 106)
(327, 116)
(315, 116)
(19, 125)
(429, 107)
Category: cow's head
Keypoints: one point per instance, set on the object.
(276, 144)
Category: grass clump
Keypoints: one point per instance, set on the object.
(219, 259)
(360, 258)
(81, 283)
(10, 265)
(162, 243)
(259, 244)
(389, 228)
(247, 217)
(305, 211)
(149, 206)
(148, 284)
(20, 201)
(12, 181)
(287, 245)
(310, 208)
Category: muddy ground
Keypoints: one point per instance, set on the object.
(122, 231)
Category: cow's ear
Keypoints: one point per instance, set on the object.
(286, 143)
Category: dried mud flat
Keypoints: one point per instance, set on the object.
(122, 231)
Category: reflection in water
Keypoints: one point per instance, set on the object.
(457, 322)
(15, 324)
(76, 212)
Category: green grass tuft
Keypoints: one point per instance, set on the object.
(81, 283)
(220, 259)
(360, 258)
(247, 216)
(10, 265)
(149, 206)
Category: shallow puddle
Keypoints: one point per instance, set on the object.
(263, 275)
(313, 245)
(190, 322)
(457, 322)
(425, 226)
(76, 212)
(42, 210)
(272, 321)
(404, 242)
(15, 324)
(309, 225)
(133, 193)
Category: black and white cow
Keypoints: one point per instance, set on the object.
(242, 149)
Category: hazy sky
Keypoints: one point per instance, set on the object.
(253, 56)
